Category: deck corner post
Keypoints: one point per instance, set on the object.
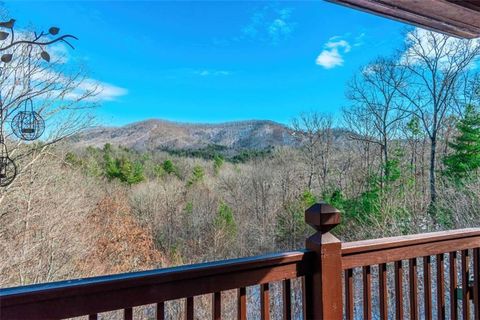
(323, 286)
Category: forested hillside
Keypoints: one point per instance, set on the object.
(160, 134)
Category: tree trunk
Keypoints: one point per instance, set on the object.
(385, 157)
(433, 187)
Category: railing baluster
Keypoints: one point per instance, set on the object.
(440, 286)
(399, 290)
(382, 290)
(217, 306)
(305, 288)
(476, 282)
(453, 285)
(349, 289)
(128, 314)
(287, 299)
(242, 304)
(367, 293)
(160, 311)
(189, 308)
(465, 280)
(427, 287)
(320, 269)
(412, 273)
(265, 301)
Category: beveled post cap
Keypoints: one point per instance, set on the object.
(322, 217)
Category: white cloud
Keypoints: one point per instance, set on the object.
(339, 44)
(59, 53)
(336, 47)
(330, 59)
(110, 92)
(103, 91)
(331, 56)
(424, 41)
(210, 72)
(359, 40)
(53, 73)
(269, 24)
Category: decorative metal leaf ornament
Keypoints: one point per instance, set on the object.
(7, 57)
(8, 168)
(28, 125)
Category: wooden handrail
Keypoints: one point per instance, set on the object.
(320, 265)
(93, 295)
(385, 250)
(399, 241)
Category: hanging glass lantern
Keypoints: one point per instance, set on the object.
(28, 124)
(8, 169)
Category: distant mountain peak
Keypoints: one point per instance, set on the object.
(155, 134)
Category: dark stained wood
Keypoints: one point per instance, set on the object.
(367, 293)
(407, 240)
(440, 15)
(465, 284)
(287, 299)
(93, 295)
(160, 312)
(349, 290)
(427, 286)
(399, 290)
(320, 267)
(306, 292)
(383, 291)
(412, 273)
(440, 286)
(189, 308)
(324, 297)
(453, 285)
(242, 304)
(217, 306)
(362, 253)
(93, 317)
(476, 282)
(264, 301)
(470, 4)
(128, 314)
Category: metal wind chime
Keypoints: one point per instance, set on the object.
(27, 124)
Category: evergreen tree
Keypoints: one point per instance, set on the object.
(465, 159)
(197, 175)
(123, 170)
(169, 167)
(217, 163)
(224, 220)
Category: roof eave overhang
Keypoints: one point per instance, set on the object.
(455, 18)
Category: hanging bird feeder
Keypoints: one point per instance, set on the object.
(28, 125)
(8, 169)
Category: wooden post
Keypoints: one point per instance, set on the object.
(323, 296)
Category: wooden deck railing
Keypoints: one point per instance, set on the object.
(431, 248)
(339, 281)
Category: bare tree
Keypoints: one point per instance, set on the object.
(60, 93)
(376, 111)
(314, 131)
(436, 66)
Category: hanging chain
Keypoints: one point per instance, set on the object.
(28, 77)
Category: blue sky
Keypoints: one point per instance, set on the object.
(216, 61)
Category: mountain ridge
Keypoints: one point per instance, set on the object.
(157, 134)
